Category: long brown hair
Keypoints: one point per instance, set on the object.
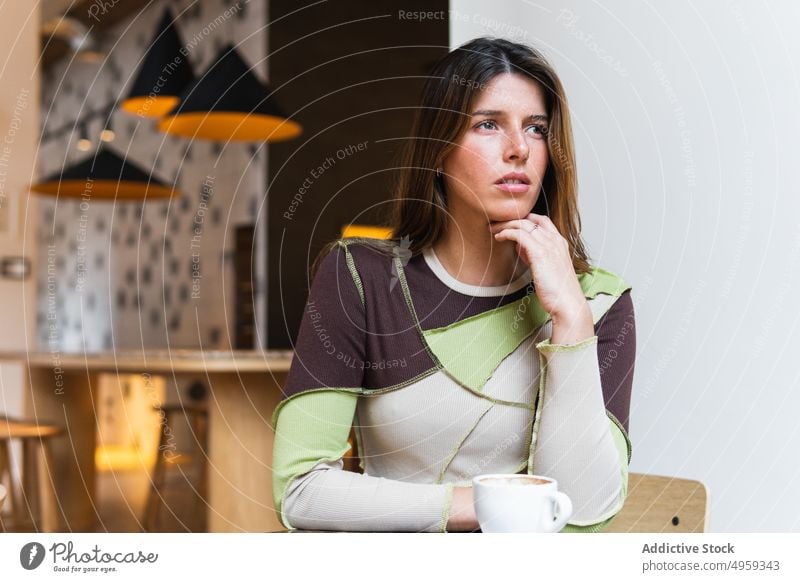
(419, 215)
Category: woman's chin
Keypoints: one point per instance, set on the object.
(510, 211)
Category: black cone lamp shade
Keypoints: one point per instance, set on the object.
(226, 103)
(104, 176)
(164, 75)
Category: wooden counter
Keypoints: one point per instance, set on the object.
(245, 387)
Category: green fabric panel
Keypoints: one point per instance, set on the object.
(548, 347)
(620, 431)
(471, 349)
(623, 448)
(599, 280)
(311, 427)
(285, 401)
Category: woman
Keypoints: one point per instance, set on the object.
(478, 340)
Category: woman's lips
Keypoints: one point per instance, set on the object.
(513, 188)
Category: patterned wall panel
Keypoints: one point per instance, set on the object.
(154, 274)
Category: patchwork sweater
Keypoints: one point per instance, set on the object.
(443, 381)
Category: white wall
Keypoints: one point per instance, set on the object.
(687, 117)
(19, 131)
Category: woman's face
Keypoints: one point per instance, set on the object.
(496, 168)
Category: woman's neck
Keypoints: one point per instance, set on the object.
(471, 255)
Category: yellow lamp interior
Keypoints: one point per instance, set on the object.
(150, 106)
(223, 126)
(367, 231)
(106, 189)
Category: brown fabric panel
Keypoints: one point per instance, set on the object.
(616, 353)
(395, 352)
(332, 331)
(437, 305)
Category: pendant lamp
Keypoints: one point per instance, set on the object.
(104, 176)
(228, 102)
(164, 74)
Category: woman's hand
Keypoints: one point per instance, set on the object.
(557, 288)
(462, 511)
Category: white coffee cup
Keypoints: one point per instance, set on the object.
(519, 503)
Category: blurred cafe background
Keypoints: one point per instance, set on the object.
(170, 169)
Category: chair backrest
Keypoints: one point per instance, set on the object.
(662, 504)
(2, 496)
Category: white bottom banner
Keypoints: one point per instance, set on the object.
(379, 557)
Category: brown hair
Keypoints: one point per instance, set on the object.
(420, 200)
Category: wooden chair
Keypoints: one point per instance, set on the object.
(197, 415)
(662, 504)
(33, 502)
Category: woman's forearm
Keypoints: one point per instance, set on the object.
(328, 498)
(575, 444)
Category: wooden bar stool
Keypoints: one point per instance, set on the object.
(168, 457)
(33, 502)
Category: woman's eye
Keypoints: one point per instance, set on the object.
(540, 130)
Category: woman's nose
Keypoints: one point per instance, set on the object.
(516, 147)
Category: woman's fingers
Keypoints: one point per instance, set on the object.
(543, 222)
(521, 237)
(522, 224)
(527, 224)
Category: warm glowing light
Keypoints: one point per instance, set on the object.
(224, 125)
(149, 106)
(107, 189)
(367, 231)
(121, 458)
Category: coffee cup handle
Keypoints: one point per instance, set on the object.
(563, 511)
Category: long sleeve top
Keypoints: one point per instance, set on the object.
(443, 381)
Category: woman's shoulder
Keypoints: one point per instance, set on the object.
(366, 253)
(608, 294)
(362, 258)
